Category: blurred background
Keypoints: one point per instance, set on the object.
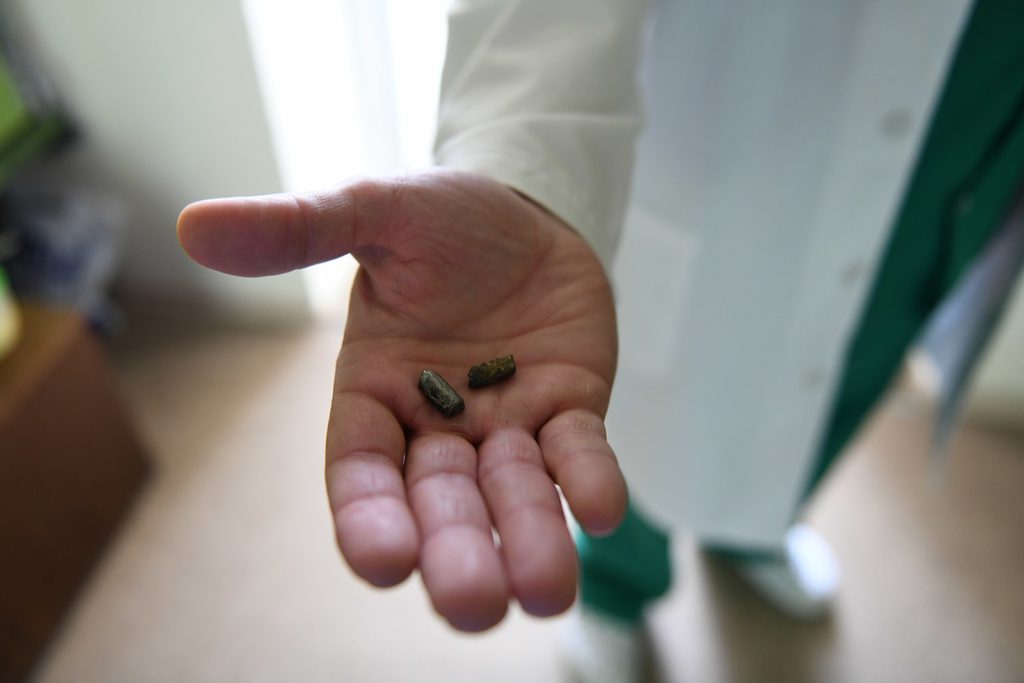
(162, 513)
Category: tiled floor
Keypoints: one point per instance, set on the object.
(226, 571)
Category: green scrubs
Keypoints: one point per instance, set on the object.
(970, 168)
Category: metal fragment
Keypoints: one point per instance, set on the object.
(441, 394)
(492, 371)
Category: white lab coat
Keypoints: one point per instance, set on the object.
(778, 140)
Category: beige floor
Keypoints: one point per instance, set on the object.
(226, 570)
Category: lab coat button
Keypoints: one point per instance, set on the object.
(814, 378)
(852, 273)
(895, 123)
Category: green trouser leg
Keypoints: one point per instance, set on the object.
(621, 573)
(970, 166)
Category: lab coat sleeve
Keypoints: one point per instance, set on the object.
(542, 95)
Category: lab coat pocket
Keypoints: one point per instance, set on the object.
(652, 276)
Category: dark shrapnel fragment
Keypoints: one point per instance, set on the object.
(492, 371)
(441, 394)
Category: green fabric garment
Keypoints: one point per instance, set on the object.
(968, 171)
(967, 174)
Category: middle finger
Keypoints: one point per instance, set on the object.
(460, 566)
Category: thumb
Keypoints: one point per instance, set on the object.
(276, 233)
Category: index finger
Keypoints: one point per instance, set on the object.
(373, 524)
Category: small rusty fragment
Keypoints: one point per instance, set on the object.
(492, 371)
(441, 394)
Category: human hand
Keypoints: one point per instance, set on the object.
(454, 269)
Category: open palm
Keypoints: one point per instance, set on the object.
(455, 269)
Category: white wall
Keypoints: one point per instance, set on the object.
(350, 88)
(168, 100)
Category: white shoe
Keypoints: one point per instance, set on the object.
(802, 582)
(603, 649)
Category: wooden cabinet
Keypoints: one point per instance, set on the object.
(70, 466)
